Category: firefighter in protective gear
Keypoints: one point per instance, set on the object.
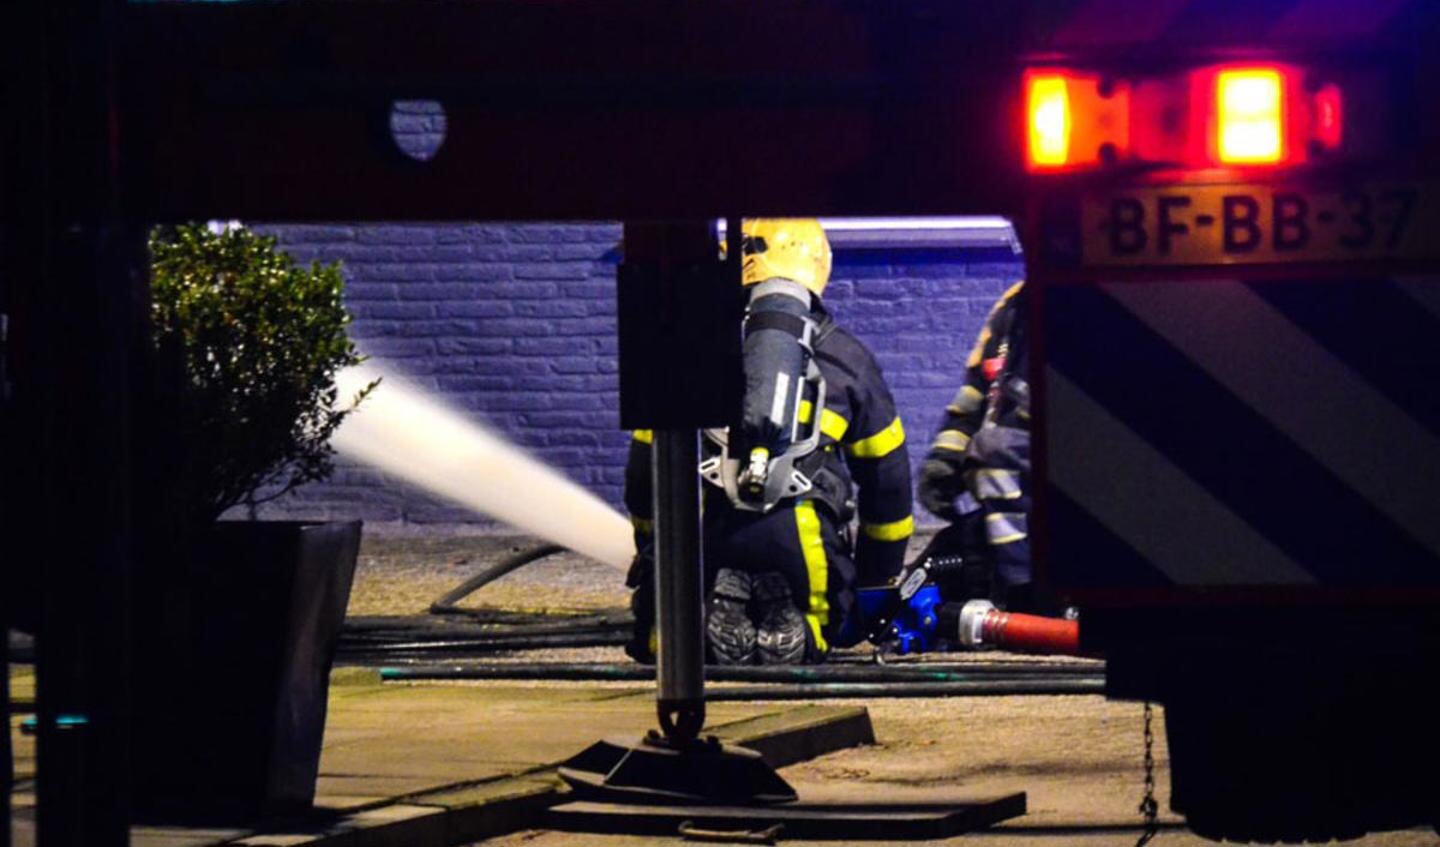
(983, 450)
(817, 423)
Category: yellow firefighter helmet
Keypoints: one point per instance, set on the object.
(793, 248)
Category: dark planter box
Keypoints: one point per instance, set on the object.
(233, 672)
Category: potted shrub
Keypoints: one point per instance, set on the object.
(236, 621)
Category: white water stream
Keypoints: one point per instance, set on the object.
(405, 431)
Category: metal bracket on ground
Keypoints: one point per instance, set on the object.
(782, 740)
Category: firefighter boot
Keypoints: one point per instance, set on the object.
(783, 637)
(728, 629)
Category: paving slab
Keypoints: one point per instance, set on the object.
(437, 735)
(22, 684)
(395, 824)
(843, 821)
(333, 802)
(22, 753)
(361, 791)
(417, 765)
(146, 836)
(801, 733)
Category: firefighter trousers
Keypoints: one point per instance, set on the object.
(801, 540)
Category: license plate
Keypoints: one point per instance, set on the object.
(1244, 224)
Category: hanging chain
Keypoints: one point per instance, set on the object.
(1148, 807)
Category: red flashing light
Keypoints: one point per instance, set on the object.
(1253, 115)
(1074, 120)
(1250, 112)
(1047, 107)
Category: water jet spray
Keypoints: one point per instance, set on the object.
(404, 430)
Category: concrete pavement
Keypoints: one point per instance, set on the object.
(433, 765)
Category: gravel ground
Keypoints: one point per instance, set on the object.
(402, 576)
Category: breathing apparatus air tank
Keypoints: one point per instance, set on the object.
(786, 264)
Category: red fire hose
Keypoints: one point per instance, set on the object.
(983, 624)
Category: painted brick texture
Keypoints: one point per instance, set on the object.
(515, 325)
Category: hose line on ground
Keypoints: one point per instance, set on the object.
(915, 672)
(372, 639)
(1039, 687)
(993, 683)
(446, 604)
(818, 676)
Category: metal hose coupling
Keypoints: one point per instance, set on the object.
(972, 621)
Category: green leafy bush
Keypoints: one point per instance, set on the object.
(248, 345)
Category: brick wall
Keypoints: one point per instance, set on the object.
(515, 324)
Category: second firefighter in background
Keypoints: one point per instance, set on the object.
(982, 454)
(818, 443)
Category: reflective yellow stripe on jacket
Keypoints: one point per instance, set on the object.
(830, 422)
(995, 484)
(951, 439)
(967, 400)
(893, 531)
(812, 545)
(1006, 527)
(880, 444)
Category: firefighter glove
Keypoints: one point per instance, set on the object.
(940, 483)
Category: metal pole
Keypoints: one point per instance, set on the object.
(679, 371)
(679, 590)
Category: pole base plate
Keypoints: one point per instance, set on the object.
(655, 772)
